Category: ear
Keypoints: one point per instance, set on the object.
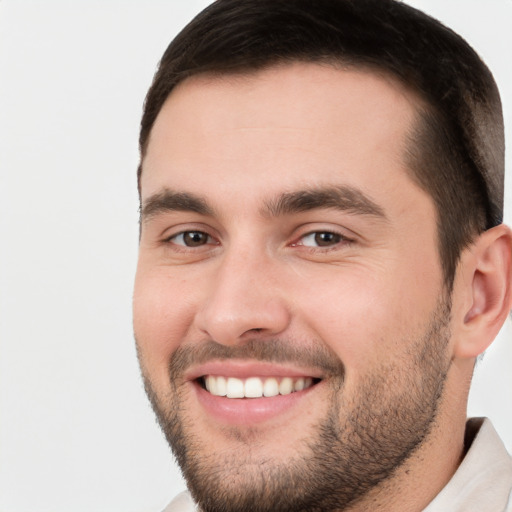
(484, 285)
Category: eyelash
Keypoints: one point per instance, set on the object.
(182, 234)
(338, 239)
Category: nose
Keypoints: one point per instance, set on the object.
(244, 300)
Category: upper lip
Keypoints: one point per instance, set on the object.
(242, 369)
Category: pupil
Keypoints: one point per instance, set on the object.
(323, 239)
(194, 238)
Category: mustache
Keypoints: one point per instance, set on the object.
(270, 351)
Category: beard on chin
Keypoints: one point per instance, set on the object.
(358, 444)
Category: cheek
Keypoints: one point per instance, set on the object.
(367, 317)
(162, 314)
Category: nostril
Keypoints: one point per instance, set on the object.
(230, 320)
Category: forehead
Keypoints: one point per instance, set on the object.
(294, 124)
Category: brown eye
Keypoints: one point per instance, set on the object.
(321, 239)
(191, 238)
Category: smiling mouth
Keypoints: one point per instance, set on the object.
(254, 387)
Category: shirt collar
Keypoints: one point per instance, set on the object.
(483, 481)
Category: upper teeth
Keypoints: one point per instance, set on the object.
(254, 387)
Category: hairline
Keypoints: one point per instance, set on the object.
(419, 103)
(413, 142)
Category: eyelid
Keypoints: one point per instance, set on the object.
(182, 233)
(180, 229)
(161, 226)
(346, 239)
(173, 229)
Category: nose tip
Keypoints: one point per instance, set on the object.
(232, 326)
(241, 306)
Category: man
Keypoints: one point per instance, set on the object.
(322, 259)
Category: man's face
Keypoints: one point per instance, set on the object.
(286, 252)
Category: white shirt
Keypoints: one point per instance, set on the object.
(482, 482)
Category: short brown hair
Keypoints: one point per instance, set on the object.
(456, 152)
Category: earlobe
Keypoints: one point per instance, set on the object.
(487, 285)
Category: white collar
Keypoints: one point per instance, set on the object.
(483, 481)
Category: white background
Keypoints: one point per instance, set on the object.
(76, 433)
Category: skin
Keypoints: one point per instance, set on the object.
(239, 143)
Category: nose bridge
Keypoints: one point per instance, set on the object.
(244, 297)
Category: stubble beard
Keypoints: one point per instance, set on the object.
(359, 443)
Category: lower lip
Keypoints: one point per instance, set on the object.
(248, 411)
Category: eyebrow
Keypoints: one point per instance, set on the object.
(343, 198)
(169, 201)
